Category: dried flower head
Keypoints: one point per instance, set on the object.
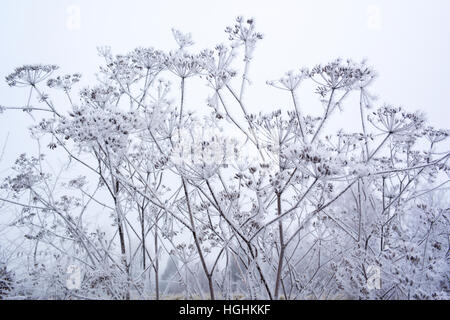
(148, 58)
(338, 75)
(100, 96)
(107, 127)
(30, 75)
(64, 82)
(290, 81)
(217, 64)
(185, 65)
(123, 68)
(394, 120)
(243, 33)
(183, 39)
(434, 135)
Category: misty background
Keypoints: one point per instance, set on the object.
(405, 41)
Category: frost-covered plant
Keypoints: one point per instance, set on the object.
(235, 202)
(6, 281)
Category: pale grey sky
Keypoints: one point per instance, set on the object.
(406, 41)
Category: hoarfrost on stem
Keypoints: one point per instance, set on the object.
(232, 202)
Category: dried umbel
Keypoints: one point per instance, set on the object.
(436, 136)
(123, 69)
(183, 40)
(100, 96)
(26, 175)
(243, 33)
(218, 66)
(106, 128)
(184, 64)
(30, 75)
(148, 59)
(290, 81)
(394, 120)
(316, 161)
(339, 75)
(64, 82)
